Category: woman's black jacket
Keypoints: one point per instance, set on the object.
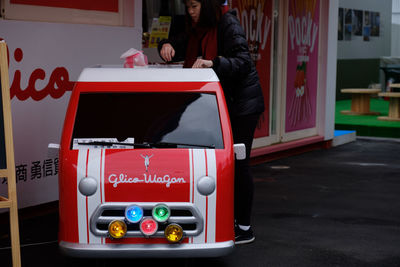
(233, 66)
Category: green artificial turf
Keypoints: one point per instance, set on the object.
(367, 125)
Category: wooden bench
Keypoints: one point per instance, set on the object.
(395, 85)
(394, 106)
(360, 101)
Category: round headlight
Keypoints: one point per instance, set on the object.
(161, 213)
(133, 213)
(117, 229)
(173, 233)
(87, 186)
(206, 185)
(148, 226)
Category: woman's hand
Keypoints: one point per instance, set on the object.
(167, 52)
(202, 63)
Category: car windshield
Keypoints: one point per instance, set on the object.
(153, 120)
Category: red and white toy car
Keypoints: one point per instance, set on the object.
(147, 165)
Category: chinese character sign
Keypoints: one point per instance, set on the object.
(256, 19)
(35, 171)
(302, 64)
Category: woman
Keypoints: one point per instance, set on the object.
(215, 39)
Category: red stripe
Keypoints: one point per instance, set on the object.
(192, 175)
(191, 154)
(87, 162)
(98, 5)
(205, 153)
(101, 183)
(87, 220)
(101, 176)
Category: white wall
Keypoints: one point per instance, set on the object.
(377, 46)
(330, 96)
(37, 51)
(396, 29)
(43, 49)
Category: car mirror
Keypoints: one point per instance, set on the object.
(240, 151)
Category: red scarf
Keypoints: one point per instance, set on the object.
(204, 39)
(224, 8)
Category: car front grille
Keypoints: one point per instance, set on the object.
(184, 214)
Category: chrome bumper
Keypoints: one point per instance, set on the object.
(146, 250)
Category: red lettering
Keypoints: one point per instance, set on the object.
(37, 74)
(58, 84)
(16, 89)
(59, 78)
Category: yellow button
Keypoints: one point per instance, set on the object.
(117, 229)
(173, 233)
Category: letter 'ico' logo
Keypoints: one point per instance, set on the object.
(58, 82)
(146, 161)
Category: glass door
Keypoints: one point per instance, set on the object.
(301, 72)
(258, 19)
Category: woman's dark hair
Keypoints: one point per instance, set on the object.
(210, 13)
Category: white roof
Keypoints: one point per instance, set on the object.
(112, 74)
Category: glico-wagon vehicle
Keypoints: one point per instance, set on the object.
(147, 165)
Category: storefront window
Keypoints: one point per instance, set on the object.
(161, 19)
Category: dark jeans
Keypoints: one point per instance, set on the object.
(243, 128)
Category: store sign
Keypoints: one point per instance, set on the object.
(302, 64)
(256, 19)
(98, 5)
(45, 60)
(58, 83)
